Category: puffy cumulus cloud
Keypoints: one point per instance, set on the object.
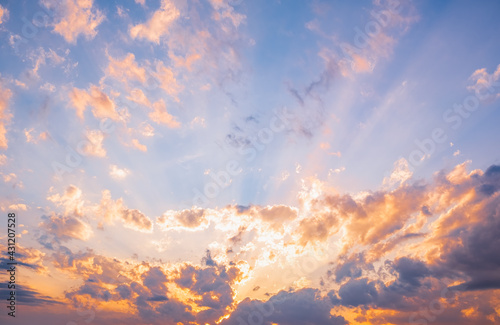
(150, 293)
(483, 83)
(161, 116)
(118, 173)
(351, 267)
(400, 174)
(366, 219)
(94, 145)
(64, 228)
(72, 200)
(19, 207)
(102, 105)
(112, 211)
(459, 214)
(212, 286)
(4, 14)
(75, 18)
(193, 219)
(305, 306)
(159, 23)
(135, 219)
(5, 115)
(317, 227)
(278, 215)
(126, 69)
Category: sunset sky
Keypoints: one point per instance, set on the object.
(248, 162)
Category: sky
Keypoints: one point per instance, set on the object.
(243, 162)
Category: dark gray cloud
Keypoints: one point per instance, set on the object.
(302, 307)
(26, 296)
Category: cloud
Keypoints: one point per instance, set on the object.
(27, 296)
(19, 207)
(136, 220)
(278, 215)
(40, 57)
(389, 254)
(112, 211)
(160, 115)
(126, 70)
(167, 80)
(159, 23)
(5, 115)
(305, 306)
(34, 139)
(139, 146)
(118, 173)
(93, 147)
(30, 258)
(64, 228)
(194, 219)
(71, 200)
(158, 294)
(400, 174)
(138, 96)
(4, 14)
(350, 268)
(483, 83)
(75, 18)
(377, 38)
(223, 10)
(102, 105)
(141, 2)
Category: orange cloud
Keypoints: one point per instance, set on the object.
(138, 96)
(94, 145)
(66, 227)
(158, 25)
(71, 200)
(161, 116)
(76, 17)
(126, 69)
(4, 14)
(194, 219)
(139, 146)
(112, 211)
(102, 105)
(167, 80)
(5, 115)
